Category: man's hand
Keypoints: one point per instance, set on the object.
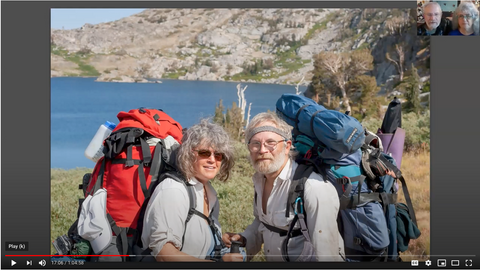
(232, 257)
(391, 173)
(229, 237)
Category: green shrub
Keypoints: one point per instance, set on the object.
(417, 130)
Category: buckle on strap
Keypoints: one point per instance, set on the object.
(343, 180)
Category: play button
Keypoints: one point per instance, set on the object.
(13, 263)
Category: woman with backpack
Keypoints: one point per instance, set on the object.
(181, 219)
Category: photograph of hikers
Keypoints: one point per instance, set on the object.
(239, 135)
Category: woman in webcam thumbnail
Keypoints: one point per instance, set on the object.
(465, 20)
(181, 219)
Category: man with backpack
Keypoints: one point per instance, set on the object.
(282, 229)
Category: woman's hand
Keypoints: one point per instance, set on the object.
(229, 237)
(232, 257)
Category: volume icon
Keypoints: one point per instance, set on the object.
(42, 263)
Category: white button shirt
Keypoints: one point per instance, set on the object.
(321, 205)
(167, 212)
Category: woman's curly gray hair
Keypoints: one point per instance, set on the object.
(205, 134)
(469, 8)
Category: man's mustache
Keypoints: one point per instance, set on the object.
(263, 158)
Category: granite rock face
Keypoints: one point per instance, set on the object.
(224, 44)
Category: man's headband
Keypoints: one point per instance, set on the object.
(266, 128)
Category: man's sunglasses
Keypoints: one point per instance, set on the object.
(204, 153)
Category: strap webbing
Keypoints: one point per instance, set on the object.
(408, 200)
(212, 226)
(300, 176)
(191, 196)
(155, 168)
(359, 190)
(399, 176)
(147, 156)
(312, 121)
(298, 114)
(120, 233)
(99, 182)
(282, 232)
(142, 179)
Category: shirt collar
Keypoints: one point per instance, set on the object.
(193, 181)
(199, 186)
(286, 173)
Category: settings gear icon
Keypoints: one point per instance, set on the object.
(428, 262)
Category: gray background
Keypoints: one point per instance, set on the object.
(25, 122)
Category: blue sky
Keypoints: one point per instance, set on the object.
(70, 18)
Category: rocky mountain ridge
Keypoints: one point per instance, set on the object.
(253, 45)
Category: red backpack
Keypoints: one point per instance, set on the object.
(136, 152)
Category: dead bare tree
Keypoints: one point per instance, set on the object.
(241, 99)
(341, 68)
(398, 59)
(248, 114)
(242, 102)
(297, 91)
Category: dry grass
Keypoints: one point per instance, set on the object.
(416, 171)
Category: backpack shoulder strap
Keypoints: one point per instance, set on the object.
(296, 200)
(408, 200)
(156, 166)
(193, 211)
(191, 196)
(376, 160)
(297, 186)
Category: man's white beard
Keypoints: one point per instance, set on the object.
(433, 26)
(268, 167)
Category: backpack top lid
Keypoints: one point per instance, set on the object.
(339, 134)
(153, 121)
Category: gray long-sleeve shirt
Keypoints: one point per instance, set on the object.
(321, 204)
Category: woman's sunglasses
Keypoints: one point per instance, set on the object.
(204, 153)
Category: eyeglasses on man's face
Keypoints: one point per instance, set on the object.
(270, 145)
(204, 153)
(432, 14)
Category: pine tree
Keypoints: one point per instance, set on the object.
(219, 116)
(412, 86)
(234, 122)
(335, 71)
(369, 89)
